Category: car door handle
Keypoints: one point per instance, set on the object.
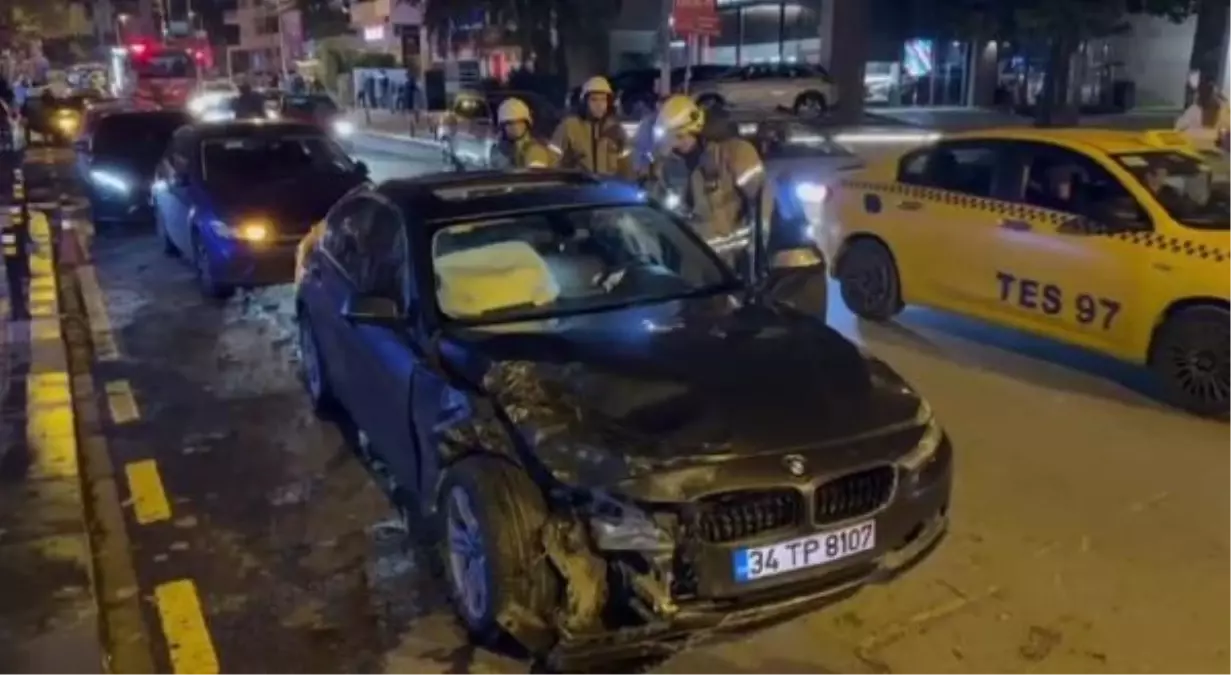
(1015, 225)
(909, 205)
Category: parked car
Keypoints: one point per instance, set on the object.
(235, 198)
(625, 445)
(468, 129)
(116, 159)
(803, 89)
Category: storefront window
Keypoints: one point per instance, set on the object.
(929, 73)
(762, 31)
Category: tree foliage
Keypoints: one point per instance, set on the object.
(323, 18)
(23, 20)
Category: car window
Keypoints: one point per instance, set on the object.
(238, 160)
(384, 250)
(564, 261)
(1183, 185)
(141, 136)
(1062, 180)
(960, 166)
(344, 230)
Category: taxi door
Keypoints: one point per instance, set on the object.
(1055, 271)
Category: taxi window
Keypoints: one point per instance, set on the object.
(1062, 180)
(964, 167)
(1185, 186)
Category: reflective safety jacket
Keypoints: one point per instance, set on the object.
(726, 188)
(527, 153)
(597, 146)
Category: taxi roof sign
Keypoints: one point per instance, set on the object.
(1166, 138)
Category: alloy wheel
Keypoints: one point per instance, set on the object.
(467, 557)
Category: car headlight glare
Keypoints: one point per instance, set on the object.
(343, 128)
(672, 201)
(925, 449)
(110, 181)
(252, 232)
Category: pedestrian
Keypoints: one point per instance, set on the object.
(593, 139)
(383, 89)
(1206, 121)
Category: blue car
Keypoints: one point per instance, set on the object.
(618, 441)
(235, 198)
(117, 157)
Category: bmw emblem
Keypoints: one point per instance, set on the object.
(795, 464)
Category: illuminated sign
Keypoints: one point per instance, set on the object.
(374, 33)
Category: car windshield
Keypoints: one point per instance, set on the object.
(1183, 185)
(564, 261)
(790, 139)
(140, 135)
(266, 158)
(165, 64)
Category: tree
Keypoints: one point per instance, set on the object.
(323, 18)
(1207, 54)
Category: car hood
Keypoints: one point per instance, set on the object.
(293, 204)
(615, 395)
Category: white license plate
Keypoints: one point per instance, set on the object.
(759, 562)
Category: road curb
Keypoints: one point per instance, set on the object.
(402, 138)
(123, 631)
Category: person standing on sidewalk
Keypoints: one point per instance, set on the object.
(593, 140)
(1207, 120)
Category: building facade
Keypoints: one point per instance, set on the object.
(259, 47)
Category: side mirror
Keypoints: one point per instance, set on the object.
(373, 310)
(361, 170)
(797, 278)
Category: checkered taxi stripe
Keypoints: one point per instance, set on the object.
(1004, 209)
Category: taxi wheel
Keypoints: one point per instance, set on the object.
(868, 277)
(1190, 357)
(493, 517)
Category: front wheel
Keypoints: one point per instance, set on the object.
(811, 104)
(210, 286)
(312, 368)
(1190, 357)
(868, 277)
(492, 548)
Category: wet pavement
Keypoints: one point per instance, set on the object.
(1090, 525)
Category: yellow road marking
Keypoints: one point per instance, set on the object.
(51, 433)
(149, 500)
(183, 624)
(122, 403)
(96, 309)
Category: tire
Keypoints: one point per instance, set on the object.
(868, 277)
(210, 287)
(1189, 358)
(312, 368)
(506, 515)
(169, 248)
(711, 101)
(811, 100)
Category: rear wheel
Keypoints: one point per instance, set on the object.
(811, 104)
(1190, 357)
(312, 368)
(492, 547)
(868, 276)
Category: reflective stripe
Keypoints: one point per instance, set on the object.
(8, 238)
(625, 153)
(535, 165)
(554, 148)
(750, 174)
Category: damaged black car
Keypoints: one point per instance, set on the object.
(619, 444)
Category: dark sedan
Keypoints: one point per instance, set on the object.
(116, 158)
(625, 444)
(236, 197)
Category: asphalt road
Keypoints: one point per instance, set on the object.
(1090, 525)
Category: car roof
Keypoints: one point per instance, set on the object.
(451, 196)
(233, 128)
(1110, 141)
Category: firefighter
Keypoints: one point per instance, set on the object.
(725, 188)
(517, 147)
(593, 140)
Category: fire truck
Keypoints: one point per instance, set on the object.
(162, 72)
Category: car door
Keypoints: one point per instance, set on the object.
(329, 280)
(1058, 271)
(382, 359)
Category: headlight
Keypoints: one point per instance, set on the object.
(197, 105)
(343, 128)
(272, 114)
(66, 123)
(925, 449)
(672, 201)
(811, 192)
(251, 231)
(616, 526)
(110, 181)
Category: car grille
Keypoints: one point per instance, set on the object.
(738, 515)
(854, 495)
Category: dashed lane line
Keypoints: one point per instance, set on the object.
(121, 402)
(149, 499)
(183, 624)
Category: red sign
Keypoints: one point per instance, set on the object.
(696, 17)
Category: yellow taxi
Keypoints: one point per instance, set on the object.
(1114, 241)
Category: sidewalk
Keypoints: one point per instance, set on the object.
(966, 119)
(48, 616)
(420, 128)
